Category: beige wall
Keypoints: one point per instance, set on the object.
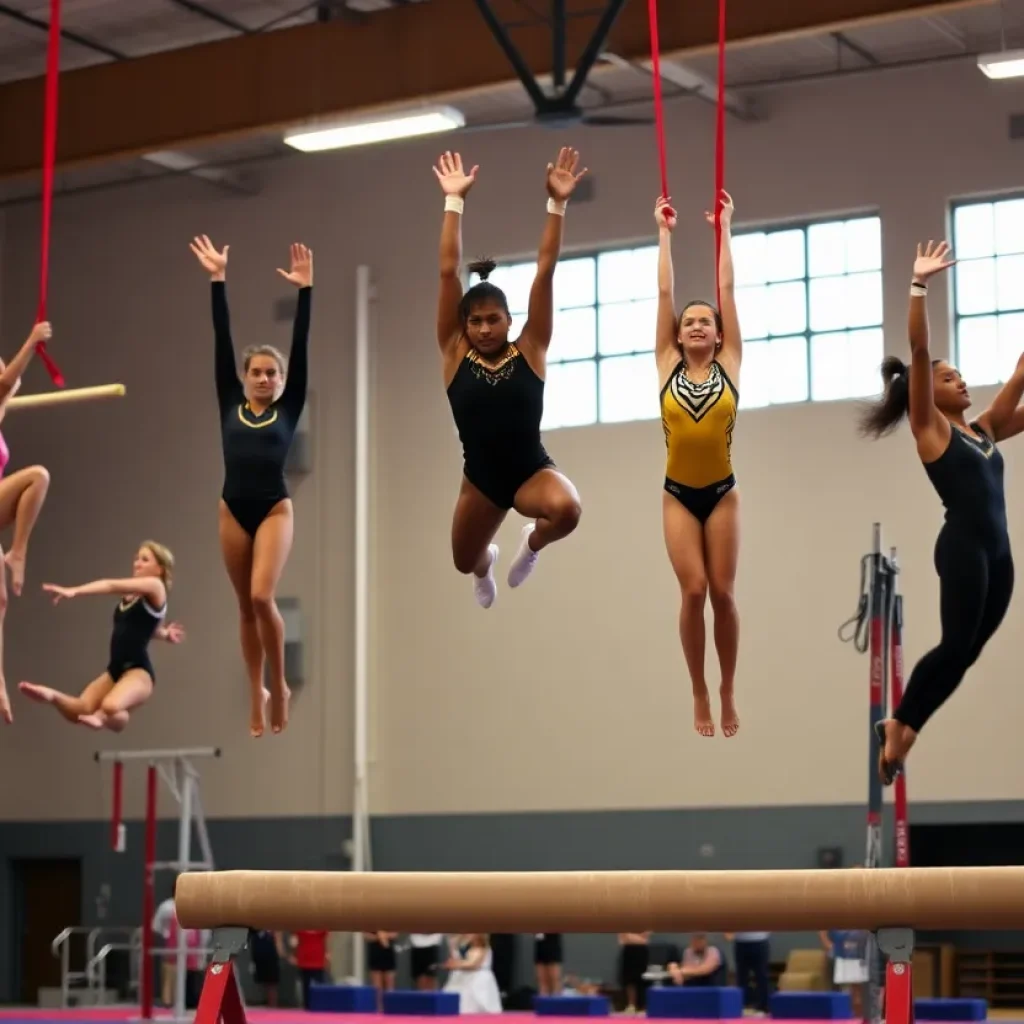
(569, 693)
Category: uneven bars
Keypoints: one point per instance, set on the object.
(604, 901)
(155, 755)
(63, 397)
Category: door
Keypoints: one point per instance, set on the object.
(47, 899)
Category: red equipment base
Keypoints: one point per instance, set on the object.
(220, 999)
(899, 994)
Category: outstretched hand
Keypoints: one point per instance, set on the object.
(212, 261)
(562, 176)
(728, 207)
(664, 214)
(301, 273)
(932, 260)
(174, 633)
(5, 708)
(41, 332)
(60, 593)
(453, 179)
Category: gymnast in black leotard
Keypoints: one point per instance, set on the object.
(496, 391)
(128, 680)
(258, 422)
(972, 552)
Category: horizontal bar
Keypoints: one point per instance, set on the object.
(66, 397)
(155, 755)
(604, 901)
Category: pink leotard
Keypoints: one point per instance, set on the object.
(5, 455)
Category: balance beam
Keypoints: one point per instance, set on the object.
(48, 398)
(605, 901)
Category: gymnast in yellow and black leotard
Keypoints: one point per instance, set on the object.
(699, 355)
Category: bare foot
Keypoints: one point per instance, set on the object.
(258, 720)
(279, 709)
(895, 740)
(5, 705)
(96, 721)
(16, 565)
(730, 720)
(42, 694)
(703, 720)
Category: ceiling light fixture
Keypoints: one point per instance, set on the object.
(366, 131)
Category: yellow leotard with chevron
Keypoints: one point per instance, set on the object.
(698, 419)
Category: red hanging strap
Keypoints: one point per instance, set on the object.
(659, 106)
(719, 149)
(49, 161)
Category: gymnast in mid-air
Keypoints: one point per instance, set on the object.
(495, 388)
(698, 354)
(259, 416)
(21, 495)
(127, 683)
(972, 552)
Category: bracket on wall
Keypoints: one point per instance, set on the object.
(561, 104)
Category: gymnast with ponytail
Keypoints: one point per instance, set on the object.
(259, 416)
(21, 494)
(496, 390)
(972, 553)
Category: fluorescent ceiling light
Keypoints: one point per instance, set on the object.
(1008, 64)
(427, 121)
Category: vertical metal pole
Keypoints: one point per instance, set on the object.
(184, 856)
(558, 44)
(117, 831)
(361, 641)
(148, 898)
(902, 828)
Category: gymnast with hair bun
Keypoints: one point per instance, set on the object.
(972, 552)
(496, 390)
(128, 680)
(21, 495)
(259, 417)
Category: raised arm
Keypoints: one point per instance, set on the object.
(1005, 417)
(296, 384)
(455, 184)
(540, 315)
(929, 427)
(732, 336)
(10, 375)
(150, 587)
(665, 349)
(229, 387)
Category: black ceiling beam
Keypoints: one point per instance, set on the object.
(562, 103)
(211, 15)
(71, 37)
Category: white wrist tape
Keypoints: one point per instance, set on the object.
(557, 207)
(454, 204)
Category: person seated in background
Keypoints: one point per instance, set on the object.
(471, 964)
(848, 952)
(701, 964)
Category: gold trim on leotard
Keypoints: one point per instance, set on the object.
(248, 423)
(698, 418)
(493, 374)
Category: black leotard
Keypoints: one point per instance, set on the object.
(975, 568)
(497, 411)
(256, 447)
(135, 622)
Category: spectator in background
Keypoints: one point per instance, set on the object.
(547, 961)
(380, 958)
(472, 975)
(424, 956)
(163, 920)
(848, 951)
(752, 951)
(702, 964)
(633, 960)
(311, 959)
(195, 962)
(265, 952)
